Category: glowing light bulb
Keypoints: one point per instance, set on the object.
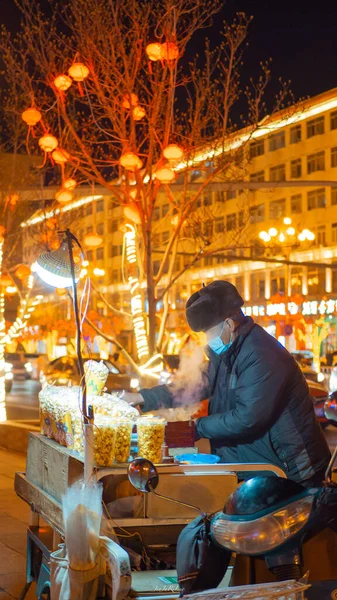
(282, 237)
(287, 221)
(272, 232)
(290, 231)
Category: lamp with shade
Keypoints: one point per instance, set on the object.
(59, 270)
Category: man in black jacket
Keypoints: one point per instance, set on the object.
(260, 409)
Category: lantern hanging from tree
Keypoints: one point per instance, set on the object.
(6, 280)
(154, 51)
(93, 240)
(172, 152)
(31, 116)
(78, 71)
(69, 184)
(169, 51)
(48, 142)
(130, 161)
(64, 196)
(62, 82)
(22, 272)
(127, 98)
(138, 113)
(60, 156)
(165, 175)
(131, 213)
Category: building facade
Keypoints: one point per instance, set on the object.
(296, 154)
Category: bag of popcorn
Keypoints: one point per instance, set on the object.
(151, 437)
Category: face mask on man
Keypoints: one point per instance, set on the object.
(217, 344)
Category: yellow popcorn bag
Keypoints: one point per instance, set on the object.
(104, 441)
(123, 439)
(151, 437)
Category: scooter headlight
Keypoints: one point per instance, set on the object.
(262, 534)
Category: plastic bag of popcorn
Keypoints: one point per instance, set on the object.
(96, 374)
(104, 440)
(151, 437)
(123, 439)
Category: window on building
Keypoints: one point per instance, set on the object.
(257, 176)
(257, 213)
(231, 222)
(156, 266)
(243, 218)
(208, 261)
(230, 194)
(296, 168)
(100, 205)
(277, 173)
(277, 285)
(295, 134)
(315, 127)
(277, 141)
(116, 250)
(156, 240)
(165, 236)
(100, 228)
(296, 203)
(334, 233)
(89, 255)
(277, 209)
(219, 225)
(256, 148)
(333, 196)
(164, 210)
(220, 196)
(113, 225)
(208, 228)
(207, 198)
(334, 157)
(296, 278)
(156, 213)
(195, 174)
(333, 120)
(321, 235)
(316, 281)
(89, 210)
(115, 275)
(177, 264)
(316, 162)
(100, 253)
(316, 199)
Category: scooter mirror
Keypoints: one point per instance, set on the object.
(143, 475)
(330, 408)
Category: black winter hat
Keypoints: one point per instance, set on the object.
(212, 304)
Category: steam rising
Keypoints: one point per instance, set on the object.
(190, 379)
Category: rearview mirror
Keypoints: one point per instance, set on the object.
(143, 475)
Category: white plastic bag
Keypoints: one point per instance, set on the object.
(70, 584)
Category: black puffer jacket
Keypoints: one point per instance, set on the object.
(260, 409)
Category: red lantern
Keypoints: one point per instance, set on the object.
(130, 161)
(138, 113)
(165, 175)
(69, 184)
(92, 240)
(60, 156)
(154, 51)
(48, 142)
(172, 152)
(64, 196)
(126, 100)
(22, 272)
(31, 116)
(78, 71)
(169, 51)
(62, 82)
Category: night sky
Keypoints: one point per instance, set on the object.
(300, 36)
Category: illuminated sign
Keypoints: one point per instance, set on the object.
(308, 308)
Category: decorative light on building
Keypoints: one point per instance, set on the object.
(137, 311)
(287, 221)
(52, 213)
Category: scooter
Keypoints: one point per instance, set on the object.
(278, 529)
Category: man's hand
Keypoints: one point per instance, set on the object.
(133, 398)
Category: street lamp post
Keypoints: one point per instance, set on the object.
(287, 237)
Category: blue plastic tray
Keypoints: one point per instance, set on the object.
(199, 459)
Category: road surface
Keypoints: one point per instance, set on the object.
(23, 402)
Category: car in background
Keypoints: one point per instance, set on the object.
(37, 361)
(21, 367)
(64, 371)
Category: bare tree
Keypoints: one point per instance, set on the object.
(138, 100)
